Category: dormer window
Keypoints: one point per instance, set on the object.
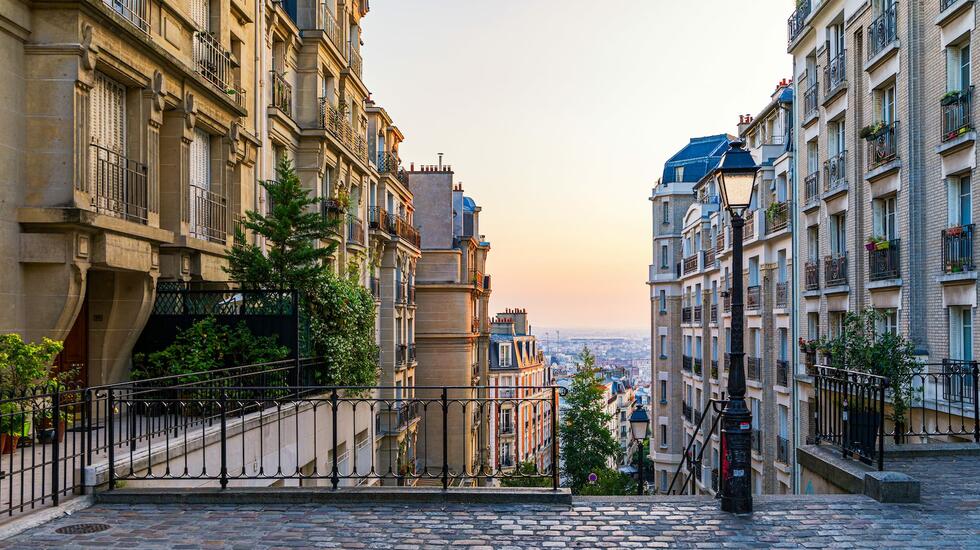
(505, 355)
(679, 173)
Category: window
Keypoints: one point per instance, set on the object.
(679, 173)
(663, 441)
(835, 320)
(663, 301)
(663, 346)
(835, 36)
(200, 153)
(664, 480)
(783, 422)
(812, 157)
(958, 76)
(783, 344)
(835, 139)
(812, 326)
(961, 333)
(663, 391)
(664, 257)
(885, 218)
(753, 271)
(201, 14)
(665, 212)
(838, 234)
(887, 321)
(505, 355)
(781, 272)
(887, 105)
(813, 243)
(108, 114)
(959, 201)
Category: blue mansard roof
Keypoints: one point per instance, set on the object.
(698, 158)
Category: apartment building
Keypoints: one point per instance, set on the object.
(452, 330)
(521, 430)
(670, 201)
(887, 156)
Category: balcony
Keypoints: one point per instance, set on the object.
(727, 301)
(117, 185)
(811, 100)
(379, 219)
(405, 231)
(411, 353)
(411, 295)
(332, 209)
(883, 30)
(957, 109)
(884, 262)
(719, 242)
(811, 189)
(697, 315)
(753, 369)
(777, 216)
(757, 440)
(213, 63)
(958, 249)
(748, 232)
(686, 314)
(401, 354)
(282, 94)
(697, 370)
(335, 121)
(883, 145)
(354, 59)
(835, 74)
(207, 220)
(687, 412)
(690, 264)
(835, 172)
(753, 297)
(782, 294)
(376, 288)
(782, 372)
(687, 363)
(782, 449)
(355, 231)
(476, 279)
(390, 164)
(811, 275)
(330, 26)
(796, 22)
(714, 369)
(708, 258)
(713, 313)
(835, 270)
(400, 294)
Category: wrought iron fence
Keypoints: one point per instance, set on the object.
(835, 73)
(943, 402)
(835, 269)
(282, 94)
(753, 297)
(883, 30)
(957, 113)
(208, 215)
(885, 262)
(811, 275)
(883, 146)
(118, 185)
(958, 249)
(213, 62)
(811, 188)
(796, 22)
(835, 171)
(850, 413)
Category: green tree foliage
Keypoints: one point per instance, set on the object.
(342, 315)
(587, 443)
(862, 347)
(208, 345)
(25, 365)
(527, 475)
(609, 482)
(291, 230)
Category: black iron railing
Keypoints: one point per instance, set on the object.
(835, 270)
(697, 314)
(118, 185)
(714, 369)
(945, 4)
(811, 99)
(690, 264)
(749, 229)
(782, 449)
(713, 316)
(687, 363)
(388, 163)
(354, 60)
(957, 112)
(782, 372)
(811, 275)
(355, 231)
(811, 189)
(686, 411)
(958, 249)
(692, 463)
(835, 171)
(883, 146)
(404, 230)
(213, 62)
(282, 94)
(753, 369)
(883, 30)
(782, 294)
(697, 366)
(850, 413)
(208, 215)
(777, 216)
(753, 297)
(796, 22)
(686, 314)
(884, 261)
(835, 73)
(379, 218)
(757, 440)
(329, 24)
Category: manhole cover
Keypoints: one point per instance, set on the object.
(82, 528)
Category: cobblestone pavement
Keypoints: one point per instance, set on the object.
(947, 517)
(779, 522)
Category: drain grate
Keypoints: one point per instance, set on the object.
(82, 528)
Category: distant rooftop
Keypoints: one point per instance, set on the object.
(698, 157)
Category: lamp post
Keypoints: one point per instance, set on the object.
(736, 174)
(639, 426)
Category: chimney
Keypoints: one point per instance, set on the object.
(743, 123)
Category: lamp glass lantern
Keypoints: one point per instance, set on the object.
(736, 173)
(639, 422)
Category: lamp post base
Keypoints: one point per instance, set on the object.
(736, 466)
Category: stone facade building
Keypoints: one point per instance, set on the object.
(521, 430)
(887, 155)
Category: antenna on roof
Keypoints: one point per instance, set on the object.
(440, 161)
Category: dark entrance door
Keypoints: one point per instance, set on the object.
(75, 355)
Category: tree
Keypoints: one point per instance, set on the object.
(291, 230)
(527, 475)
(609, 482)
(341, 314)
(587, 443)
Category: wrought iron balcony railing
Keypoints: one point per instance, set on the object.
(117, 185)
(713, 316)
(883, 30)
(748, 232)
(330, 26)
(782, 294)
(835, 269)
(796, 22)
(958, 249)
(753, 297)
(354, 59)
(690, 264)
(213, 62)
(686, 314)
(404, 230)
(378, 218)
(708, 258)
(782, 449)
(811, 99)
(835, 73)
(782, 372)
(777, 216)
(336, 122)
(811, 189)
(753, 369)
(883, 146)
(687, 363)
(811, 275)
(388, 163)
(208, 215)
(714, 369)
(355, 231)
(835, 171)
(687, 412)
(136, 12)
(757, 440)
(957, 112)
(696, 366)
(884, 261)
(697, 314)
(282, 94)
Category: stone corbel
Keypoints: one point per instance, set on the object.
(189, 109)
(89, 56)
(235, 149)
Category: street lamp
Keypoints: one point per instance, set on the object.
(640, 426)
(736, 175)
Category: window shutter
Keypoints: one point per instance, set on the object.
(201, 13)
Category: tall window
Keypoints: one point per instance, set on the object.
(201, 14)
(958, 67)
(663, 301)
(887, 321)
(663, 391)
(961, 333)
(664, 256)
(887, 105)
(200, 153)
(665, 211)
(838, 234)
(885, 218)
(753, 271)
(679, 173)
(663, 346)
(505, 355)
(835, 137)
(812, 157)
(960, 201)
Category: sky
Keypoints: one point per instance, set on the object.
(557, 117)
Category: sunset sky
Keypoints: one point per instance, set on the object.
(557, 116)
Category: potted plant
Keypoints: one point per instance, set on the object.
(14, 424)
(872, 131)
(773, 210)
(46, 430)
(950, 97)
